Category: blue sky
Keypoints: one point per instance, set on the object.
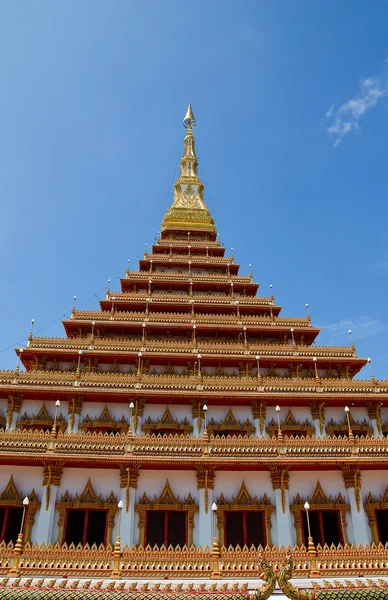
(291, 105)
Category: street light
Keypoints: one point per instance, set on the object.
(131, 407)
(205, 413)
(347, 411)
(280, 435)
(258, 366)
(310, 545)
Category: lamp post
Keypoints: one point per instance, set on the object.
(258, 366)
(245, 335)
(369, 361)
(54, 427)
(79, 362)
(199, 364)
(139, 363)
(93, 324)
(32, 330)
(350, 432)
(19, 542)
(280, 435)
(131, 407)
(215, 549)
(310, 546)
(316, 368)
(205, 413)
(143, 333)
(117, 549)
(292, 336)
(194, 338)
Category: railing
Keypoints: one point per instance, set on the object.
(34, 443)
(195, 562)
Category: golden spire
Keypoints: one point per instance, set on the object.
(188, 211)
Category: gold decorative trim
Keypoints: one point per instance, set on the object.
(342, 427)
(319, 501)
(104, 421)
(166, 501)
(88, 499)
(167, 422)
(371, 504)
(291, 426)
(244, 501)
(42, 419)
(230, 424)
(10, 496)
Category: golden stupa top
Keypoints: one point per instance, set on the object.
(188, 211)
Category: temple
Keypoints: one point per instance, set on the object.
(186, 437)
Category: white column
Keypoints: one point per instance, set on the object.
(127, 518)
(256, 423)
(283, 519)
(317, 428)
(361, 530)
(373, 422)
(205, 520)
(43, 528)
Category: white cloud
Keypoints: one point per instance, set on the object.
(361, 327)
(347, 117)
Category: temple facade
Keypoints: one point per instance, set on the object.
(187, 429)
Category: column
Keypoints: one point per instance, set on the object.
(128, 485)
(74, 411)
(318, 417)
(205, 485)
(352, 479)
(13, 410)
(52, 473)
(259, 412)
(280, 481)
(374, 414)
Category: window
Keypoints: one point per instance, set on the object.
(85, 526)
(244, 528)
(166, 527)
(324, 525)
(382, 525)
(10, 522)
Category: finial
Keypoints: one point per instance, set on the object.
(189, 120)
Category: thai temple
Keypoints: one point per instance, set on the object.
(187, 440)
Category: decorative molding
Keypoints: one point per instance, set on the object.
(319, 501)
(230, 424)
(104, 421)
(259, 411)
(88, 499)
(167, 422)
(205, 480)
(52, 473)
(166, 501)
(342, 428)
(42, 419)
(280, 481)
(352, 479)
(14, 406)
(244, 502)
(290, 426)
(318, 414)
(371, 504)
(10, 496)
(128, 479)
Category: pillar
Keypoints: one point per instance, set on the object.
(280, 481)
(352, 479)
(52, 473)
(128, 486)
(259, 411)
(74, 411)
(374, 414)
(318, 417)
(205, 485)
(13, 410)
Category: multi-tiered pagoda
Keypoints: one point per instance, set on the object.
(184, 432)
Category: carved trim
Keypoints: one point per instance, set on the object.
(259, 411)
(42, 419)
(318, 414)
(243, 501)
(104, 421)
(291, 426)
(14, 405)
(371, 504)
(167, 422)
(280, 481)
(205, 480)
(10, 496)
(342, 427)
(230, 424)
(352, 479)
(166, 501)
(88, 499)
(128, 479)
(319, 501)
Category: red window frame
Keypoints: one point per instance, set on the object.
(165, 532)
(87, 511)
(244, 517)
(377, 522)
(321, 528)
